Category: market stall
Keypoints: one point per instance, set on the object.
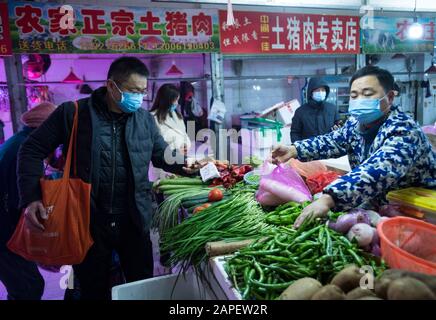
(241, 245)
(230, 234)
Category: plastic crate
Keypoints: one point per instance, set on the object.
(415, 202)
(408, 244)
(188, 287)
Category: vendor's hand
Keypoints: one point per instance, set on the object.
(282, 154)
(317, 209)
(335, 127)
(33, 213)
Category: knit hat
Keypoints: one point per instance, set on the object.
(37, 115)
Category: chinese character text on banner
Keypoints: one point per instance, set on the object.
(51, 28)
(5, 39)
(288, 33)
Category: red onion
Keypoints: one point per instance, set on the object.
(362, 232)
(344, 223)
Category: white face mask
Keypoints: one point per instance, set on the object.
(319, 95)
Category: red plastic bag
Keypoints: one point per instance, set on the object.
(307, 169)
(319, 181)
(282, 185)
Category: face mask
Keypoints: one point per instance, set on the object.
(173, 107)
(319, 96)
(130, 102)
(365, 110)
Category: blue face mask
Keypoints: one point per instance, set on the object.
(130, 102)
(173, 107)
(319, 96)
(365, 110)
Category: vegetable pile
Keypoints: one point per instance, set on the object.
(178, 191)
(265, 268)
(346, 285)
(360, 225)
(252, 178)
(237, 218)
(254, 161)
(230, 175)
(286, 214)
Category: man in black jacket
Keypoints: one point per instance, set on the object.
(317, 116)
(116, 141)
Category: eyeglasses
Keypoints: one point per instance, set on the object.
(143, 92)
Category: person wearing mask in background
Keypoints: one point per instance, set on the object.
(317, 116)
(20, 277)
(190, 107)
(386, 148)
(169, 120)
(116, 140)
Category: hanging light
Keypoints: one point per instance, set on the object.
(416, 30)
(72, 78)
(174, 70)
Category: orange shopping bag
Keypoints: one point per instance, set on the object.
(66, 238)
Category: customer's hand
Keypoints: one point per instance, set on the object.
(194, 167)
(282, 154)
(317, 209)
(33, 213)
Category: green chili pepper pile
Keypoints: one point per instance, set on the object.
(267, 267)
(286, 214)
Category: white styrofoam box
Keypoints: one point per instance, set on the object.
(287, 111)
(286, 136)
(223, 279)
(170, 287)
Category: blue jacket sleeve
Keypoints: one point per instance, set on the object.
(378, 174)
(330, 145)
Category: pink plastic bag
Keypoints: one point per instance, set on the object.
(282, 185)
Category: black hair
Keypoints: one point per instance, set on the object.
(122, 68)
(165, 96)
(384, 76)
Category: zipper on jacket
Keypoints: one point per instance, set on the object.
(114, 155)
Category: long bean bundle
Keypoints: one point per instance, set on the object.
(239, 217)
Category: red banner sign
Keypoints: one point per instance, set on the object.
(5, 39)
(287, 33)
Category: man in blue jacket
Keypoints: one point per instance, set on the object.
(386, 148)
(317, 116)
(20, 277)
